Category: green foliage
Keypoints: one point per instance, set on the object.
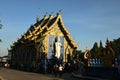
(116, 45)
(0, 40)
(101, 44)
(101, 50)
(79, 55)
(95, 50)
(98, 51)
(1, 26)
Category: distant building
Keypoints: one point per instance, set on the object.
(3, 60)
(47, 37)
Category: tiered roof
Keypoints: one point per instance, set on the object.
(43, 26)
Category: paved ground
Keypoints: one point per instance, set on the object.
(10, 74)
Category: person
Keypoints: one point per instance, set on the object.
(55, 69)
(60, 70)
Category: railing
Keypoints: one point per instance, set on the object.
(105, 72)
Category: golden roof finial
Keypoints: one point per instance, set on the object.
(45, 16)
(51, 16)
(52, 12)
(60, 10)
(37, 18)
(46, 13)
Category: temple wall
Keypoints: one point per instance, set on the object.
(23, 54)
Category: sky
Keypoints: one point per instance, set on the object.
(88, 21)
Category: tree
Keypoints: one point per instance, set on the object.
(94, 50)
(79, 55)
(101, 50)
(115, 44)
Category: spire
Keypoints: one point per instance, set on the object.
(107, 41)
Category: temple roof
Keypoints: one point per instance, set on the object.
(43, 26)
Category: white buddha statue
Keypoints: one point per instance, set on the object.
(57, 47)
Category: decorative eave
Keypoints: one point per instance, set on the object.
(36, 28)
(67, 33)
(44, 26)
